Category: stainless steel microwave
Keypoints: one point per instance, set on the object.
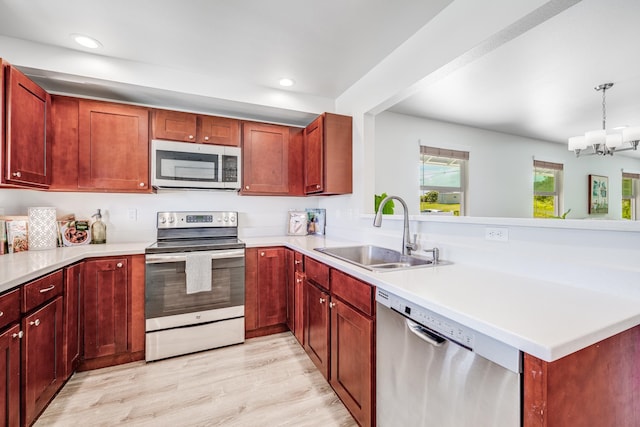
(194, 166)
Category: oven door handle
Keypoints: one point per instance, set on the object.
(182, 257)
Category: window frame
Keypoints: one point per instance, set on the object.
(462, 157)
(635, 191)
(557, 194)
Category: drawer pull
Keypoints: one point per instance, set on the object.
(296, 262)
(332, 304)
(1, 313)
(35, 323)
(298, 280)
(50, 288)
(119, 265)
(18, 335)
(17, 174)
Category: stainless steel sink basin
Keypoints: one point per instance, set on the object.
(376, 258)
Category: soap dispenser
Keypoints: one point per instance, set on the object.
(98, 229)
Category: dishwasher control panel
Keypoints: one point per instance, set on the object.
(444, 327)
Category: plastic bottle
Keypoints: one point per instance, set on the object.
(98, 229)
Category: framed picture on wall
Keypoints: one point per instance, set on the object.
(598, 194)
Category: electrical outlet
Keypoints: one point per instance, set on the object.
(496, 234)
(132, 214)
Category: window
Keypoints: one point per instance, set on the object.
(630, 184)
(442, 181)
(547, 185)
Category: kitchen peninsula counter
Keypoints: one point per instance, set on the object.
(545, 319)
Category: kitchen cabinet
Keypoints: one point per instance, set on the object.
(265, 291)
(10, 340)
(64, 143)
(295, 299)
(113, 300)
(340, 335)
(328, 155)
(271, 159)
(188, 127)
(26, 148)
(597, 385)
(73, 276)
(113, 147)
(42, 353)
(353, 345)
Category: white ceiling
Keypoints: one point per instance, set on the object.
(540, 84)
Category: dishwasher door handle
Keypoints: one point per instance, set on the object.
(424, 334)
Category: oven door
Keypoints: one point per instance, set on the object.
(166, 294)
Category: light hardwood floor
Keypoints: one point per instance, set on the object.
(267, 381)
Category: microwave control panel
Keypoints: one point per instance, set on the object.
(207, 219)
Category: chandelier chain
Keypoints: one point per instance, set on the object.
(604, 108)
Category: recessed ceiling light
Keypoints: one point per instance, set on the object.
(286, 82)
(86, 41)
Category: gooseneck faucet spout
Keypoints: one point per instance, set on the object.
(407, 244)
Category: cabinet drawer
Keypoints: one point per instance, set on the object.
(317, 272)
(41, 290)
(298, 262)
(9, 308)
(353, 291)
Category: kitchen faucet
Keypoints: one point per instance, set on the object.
(407, 245)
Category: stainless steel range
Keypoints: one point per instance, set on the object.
(194, 287)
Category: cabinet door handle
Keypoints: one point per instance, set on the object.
(35, 323)
(206, 138)
(298, 280)
(18, 335)
(119, 265)
(142, 184)
(50, 288)
(17, 174)
(246, 187)
(296, 262)
(261, 253)
(322, 300)
(318, 186)
(190, 136)
(332, 304)
(1, 313)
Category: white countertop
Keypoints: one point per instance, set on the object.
(545, 319)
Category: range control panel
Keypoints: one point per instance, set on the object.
(201, 219)
(444, 327)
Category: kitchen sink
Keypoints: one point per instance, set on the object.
(376, 258)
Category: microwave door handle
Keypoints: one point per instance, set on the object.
(182, 257)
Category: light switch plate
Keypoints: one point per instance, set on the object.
(132, 214)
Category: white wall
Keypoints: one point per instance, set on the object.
(500, 167)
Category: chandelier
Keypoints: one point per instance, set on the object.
(605, 142)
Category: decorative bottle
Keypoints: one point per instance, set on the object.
(98, 229)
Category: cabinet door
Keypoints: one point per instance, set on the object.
(173, 125)
(10, 377)
(265, 159)
(64, 143)
(290, 280)
(105, 298)
(272, 298)
(42, 361)
(28, 160)
(73, 276)
(314, 157)
(316, 311)
(218, 130)
(352, 364)
(114, 147)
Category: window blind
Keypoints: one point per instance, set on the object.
(548, 165)
(631, 175)
(442, 152)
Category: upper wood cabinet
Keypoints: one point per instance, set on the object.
(26, 148)
(113, 147)
(188, 127)
(265, 159)
(328, 155)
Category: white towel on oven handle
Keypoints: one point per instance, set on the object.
(198, 271)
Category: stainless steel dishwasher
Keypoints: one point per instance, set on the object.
(432, 371)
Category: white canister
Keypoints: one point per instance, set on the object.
(43, 228)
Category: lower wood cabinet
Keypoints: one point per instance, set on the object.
(10, 376)
(113, 299)
(73, 278)
(42, 361)
(316, 337)
(265, 291)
